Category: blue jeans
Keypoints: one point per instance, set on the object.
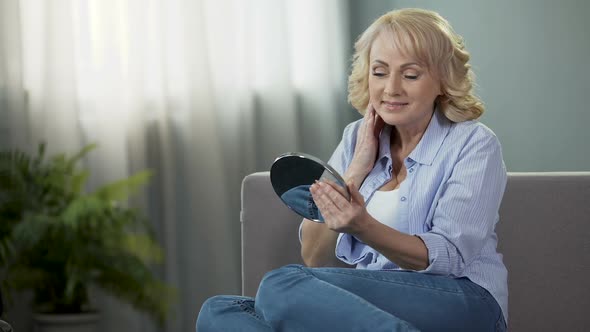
(297, 298)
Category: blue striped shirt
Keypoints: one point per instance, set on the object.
(450, 199)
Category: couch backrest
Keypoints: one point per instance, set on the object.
(544, 235)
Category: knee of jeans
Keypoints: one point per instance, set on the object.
(217, 302)
(212, 307)
(276, 286)
(276, 279)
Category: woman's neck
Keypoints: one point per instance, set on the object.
(405, 138)
(403, 141)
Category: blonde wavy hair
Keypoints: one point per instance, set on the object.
(430, 39)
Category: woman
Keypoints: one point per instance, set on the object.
(426, 183)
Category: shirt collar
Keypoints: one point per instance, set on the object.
(427, 148)
(429, 145)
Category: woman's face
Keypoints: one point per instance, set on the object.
(401, 90)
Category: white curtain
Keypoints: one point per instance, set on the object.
(202, 92)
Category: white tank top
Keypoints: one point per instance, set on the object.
(383, 206)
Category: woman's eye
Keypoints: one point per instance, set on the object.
(378, 74)
(411, 77)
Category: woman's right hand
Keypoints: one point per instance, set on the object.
(366, 148)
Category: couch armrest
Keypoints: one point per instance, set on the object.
(269, 232)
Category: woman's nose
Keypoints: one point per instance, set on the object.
(393, 86)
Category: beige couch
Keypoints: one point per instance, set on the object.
(544, 235)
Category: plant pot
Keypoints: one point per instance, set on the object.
(82, 322)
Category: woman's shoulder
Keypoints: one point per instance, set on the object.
(473, 131)
(352, 129)
(350, 132)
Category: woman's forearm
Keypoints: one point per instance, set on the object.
(407, 251)
(318, 244)
(355, 176)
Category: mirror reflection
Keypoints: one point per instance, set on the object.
(291, 176)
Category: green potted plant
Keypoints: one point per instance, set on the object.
(57, 240)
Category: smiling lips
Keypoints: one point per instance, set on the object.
(394, 105)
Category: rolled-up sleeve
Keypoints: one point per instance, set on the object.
(467, 210)
(342, 155)
(352, 251)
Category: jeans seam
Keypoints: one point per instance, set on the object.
(492, 305)
(501, 325)
(246, 308)
(407, 325)
(400, 283)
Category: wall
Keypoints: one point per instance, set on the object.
(530, 58)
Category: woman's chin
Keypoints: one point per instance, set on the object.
(393, 119)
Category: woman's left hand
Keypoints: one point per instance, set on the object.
(340, 214)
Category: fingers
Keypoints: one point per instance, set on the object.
(323, 203)
(366, 146)
(379, 124)
(374, 125)
(369, 123)
(326, 206)
(339, 214)
(362, 128)
(334, 196)
(336, 186)
(368, 110)
(327, 197)
(368, 114)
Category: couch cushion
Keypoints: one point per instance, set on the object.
(544, 235)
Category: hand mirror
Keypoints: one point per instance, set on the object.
(291, 176)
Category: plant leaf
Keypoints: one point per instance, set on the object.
(143, 247)
(122, 189)
(81, 154)
(78, 182)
